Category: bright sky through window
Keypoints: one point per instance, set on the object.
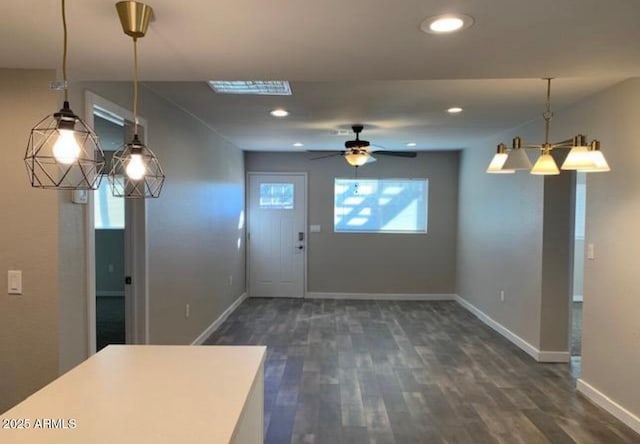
(381, 205)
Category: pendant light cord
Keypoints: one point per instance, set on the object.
(135, 85)
(64, 52)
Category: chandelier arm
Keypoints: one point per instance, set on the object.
(563, 144)
(64, 51)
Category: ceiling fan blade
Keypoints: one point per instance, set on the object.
(326, 156)
(408, 154)
(370, 159)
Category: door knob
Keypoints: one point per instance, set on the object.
(300, 247)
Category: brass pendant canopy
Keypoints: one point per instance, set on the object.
(134, 17)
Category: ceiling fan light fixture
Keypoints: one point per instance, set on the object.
(356, 158)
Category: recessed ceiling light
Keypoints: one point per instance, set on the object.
(298, 144)
(446, 23)
(412, 144)
(280, 112)
(256, 87)
(454, 110)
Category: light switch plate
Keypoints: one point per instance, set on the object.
(314, 228)
(591, 253)
(80, 196)
(14, 279)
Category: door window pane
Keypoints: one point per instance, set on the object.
(276, 196)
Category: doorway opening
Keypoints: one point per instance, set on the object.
(109, 235)
(575, 343)
(116, 242)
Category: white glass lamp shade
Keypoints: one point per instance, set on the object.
(497, 164)
(600, 164)
(517, 159)
(356, 159)
(545, 165)
(579, 158)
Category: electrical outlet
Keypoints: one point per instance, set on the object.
(230, 279)
(501, 295)
(187, 310)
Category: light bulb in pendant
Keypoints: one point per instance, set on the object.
(66, 149)
(135, 167)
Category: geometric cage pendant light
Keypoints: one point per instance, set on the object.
(583, 157)
(63, 152)
(135, 171)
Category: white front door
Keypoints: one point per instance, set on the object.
(277, 237)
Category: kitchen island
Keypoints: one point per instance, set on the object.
(148, 394)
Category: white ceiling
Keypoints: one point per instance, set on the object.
(329, 39)
(393, 112)
(348, 61)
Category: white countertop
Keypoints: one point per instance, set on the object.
(145, 394)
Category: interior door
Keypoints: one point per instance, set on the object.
(277, 237)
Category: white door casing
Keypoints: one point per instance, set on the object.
(135, 248)
(277, 238)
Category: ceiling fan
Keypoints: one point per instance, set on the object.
(358, 152)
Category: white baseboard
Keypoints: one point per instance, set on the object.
(110, 294)
(382, 296)
(218, 322)
(538, 355)
(602, 400)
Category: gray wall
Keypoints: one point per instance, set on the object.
(109, 252)
(500, 243)
(192, 229)
(611, 310)
(515, 234)
(385, 263)
(28, 242)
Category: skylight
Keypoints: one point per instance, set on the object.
(256, 87)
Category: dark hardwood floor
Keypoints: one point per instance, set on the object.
(407, 372)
